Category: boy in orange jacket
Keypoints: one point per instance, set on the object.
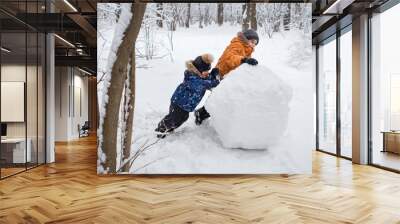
(238, 52)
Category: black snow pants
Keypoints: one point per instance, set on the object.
(175, 118)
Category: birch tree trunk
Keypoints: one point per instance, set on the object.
(159, 16)
(286, 18)
(253, 16)
(246, 16)
(118, 77)
(201, 17)
(220, 14)
(131, 110)
(187, 22)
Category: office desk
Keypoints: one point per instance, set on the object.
(13, 150)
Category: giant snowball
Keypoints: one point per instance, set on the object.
(250, 108)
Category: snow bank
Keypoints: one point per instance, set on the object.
(250, 108)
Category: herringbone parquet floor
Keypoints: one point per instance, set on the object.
(69, 191)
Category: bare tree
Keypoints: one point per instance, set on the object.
(286, 18)
(118, 77)
(276, 19)
(207, 15)
(220, 14)
(253, 16)
(159, 15)
(246, 16)
(201, 17)
(187, 22)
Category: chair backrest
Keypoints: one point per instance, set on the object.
(86, 125)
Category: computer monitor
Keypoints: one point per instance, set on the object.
(3, 129)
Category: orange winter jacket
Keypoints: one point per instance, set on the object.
(233, 54)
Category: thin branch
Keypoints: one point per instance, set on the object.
(141, 150)
(101, 78)
(149, 163)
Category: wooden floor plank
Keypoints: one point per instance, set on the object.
(69, 191)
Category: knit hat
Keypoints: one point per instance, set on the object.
(203, 62)
(251, 34)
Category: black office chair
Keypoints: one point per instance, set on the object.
(84, 130)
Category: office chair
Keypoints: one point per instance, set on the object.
(84, 130)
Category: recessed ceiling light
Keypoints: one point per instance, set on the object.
(84, 71)
(70, 5)
(64, 40)
(338, 6)
(5, 50)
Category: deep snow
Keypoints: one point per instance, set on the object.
(199, 149)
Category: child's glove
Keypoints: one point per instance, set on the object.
(214, 73)
(250, 61)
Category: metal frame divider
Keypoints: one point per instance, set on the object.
(338, 98)
(317, 96)
(338, 91)
(383, 8)
(44, 70)
(0, 93)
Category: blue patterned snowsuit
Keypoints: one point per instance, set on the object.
(185, 99)
(190, 92)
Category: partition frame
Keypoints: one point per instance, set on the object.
(337, 35)
(388, 5)
(44, 95)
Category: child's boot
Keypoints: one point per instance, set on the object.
(161, 130)
(201, 114)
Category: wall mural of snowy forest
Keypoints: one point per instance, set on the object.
(205, 88)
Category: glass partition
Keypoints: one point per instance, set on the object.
(346, 94)
(327, 96)
(22, 77)
(385, 89)
(14, 153)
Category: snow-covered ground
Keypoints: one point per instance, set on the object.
(197, 149)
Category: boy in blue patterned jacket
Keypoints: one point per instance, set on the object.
(189, 93)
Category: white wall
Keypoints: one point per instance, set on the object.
(17, 73)
(61, 103)
(70, 83)
(33, 126)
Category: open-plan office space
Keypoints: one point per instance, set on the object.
(49, 118)
(38, 107)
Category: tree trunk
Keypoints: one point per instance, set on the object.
(286, 18)
(187, 22)
(246, 18)
(159, 16)
(207, 16)
(277, 17)
(118, 77)
(130, 111)
(200, 17)
(253, 16)
(220, 14)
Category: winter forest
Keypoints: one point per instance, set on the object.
(142, 50)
